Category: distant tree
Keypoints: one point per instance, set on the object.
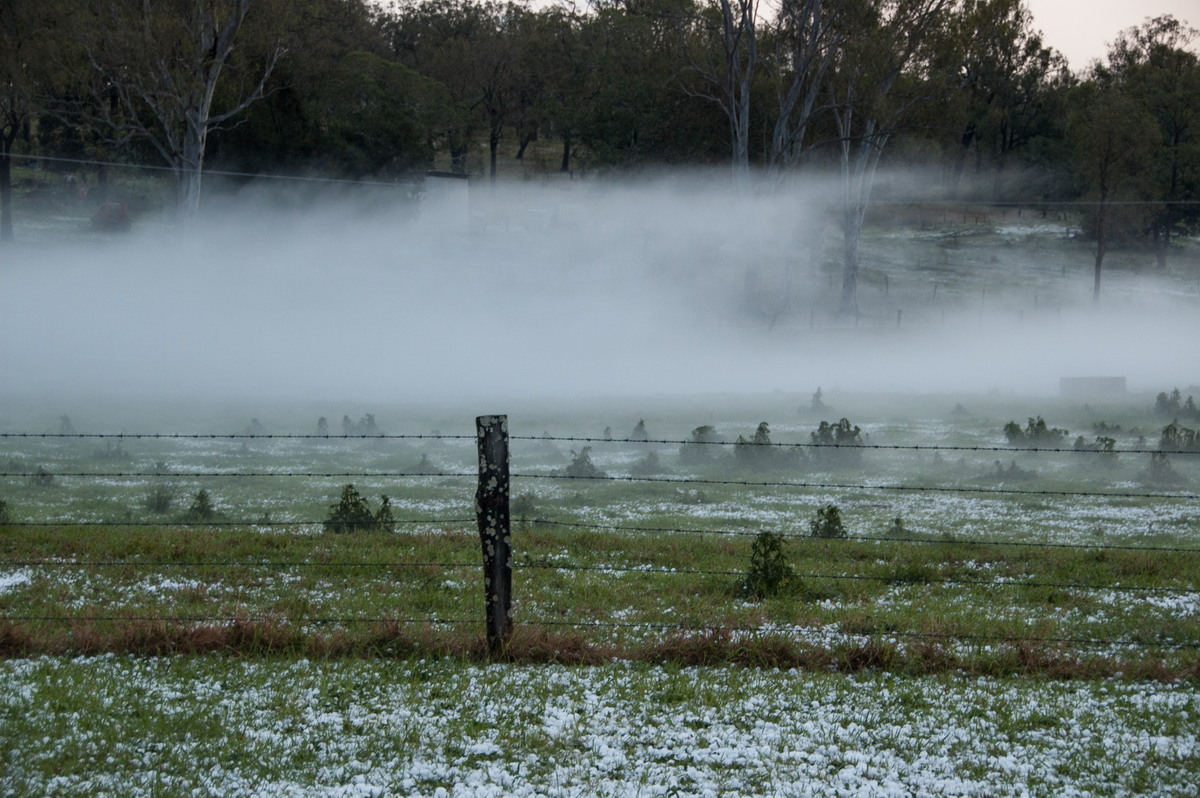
(1161, 71)
(169, 72)
(894, 54)
(724, 53)
(29, 35)
(1012, 86)
(1114, 148)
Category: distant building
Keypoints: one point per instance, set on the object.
(1091, 388)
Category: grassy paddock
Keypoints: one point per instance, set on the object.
(283, 726)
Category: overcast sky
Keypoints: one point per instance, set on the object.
(1082, 31)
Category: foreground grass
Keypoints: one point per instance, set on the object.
(585, 595)
(219, 725)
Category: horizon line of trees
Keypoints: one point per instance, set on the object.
(356, 89)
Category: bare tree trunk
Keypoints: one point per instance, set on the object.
(566, 155)
(6, 219)
(1101, 248)
(851, 233)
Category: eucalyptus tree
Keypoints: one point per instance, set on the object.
(804, 43)
(723, 52)
(893, 55)
(30, 32)
(1113, 140)
(466, 46)
(157, 66)
(1013, 86)
(1157, 67)
(1135, 128)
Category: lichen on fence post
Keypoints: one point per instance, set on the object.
(495, 530)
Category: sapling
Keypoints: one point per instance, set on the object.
(582, 467)
(769, 571)
(828, 523)
(202, 508)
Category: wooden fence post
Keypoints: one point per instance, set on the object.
(492, 514)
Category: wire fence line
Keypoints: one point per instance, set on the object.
(525, 526)
(658, 571)
(604, 569)
(603, 440)
(1183, 495)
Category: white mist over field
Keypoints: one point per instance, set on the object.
(571, 289)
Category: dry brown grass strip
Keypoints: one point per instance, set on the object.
(534, 645)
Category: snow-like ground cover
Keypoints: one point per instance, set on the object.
(219, 726)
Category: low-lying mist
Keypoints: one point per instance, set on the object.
(573, 289)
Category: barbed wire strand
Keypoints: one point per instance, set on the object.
(604, 478)
(577, 439)
(613, 569)
(850, 446)
(860, 486)
(864, 538)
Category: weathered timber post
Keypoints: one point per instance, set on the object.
(492, 514)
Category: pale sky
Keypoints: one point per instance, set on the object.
(1082, 30)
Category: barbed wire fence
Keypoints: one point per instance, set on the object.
(501, 608)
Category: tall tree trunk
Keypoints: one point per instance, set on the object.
(1101, 247)
(851, 234)
(6, 220)
(494, 135)
(566, 155)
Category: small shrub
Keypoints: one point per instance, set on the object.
(41, 478)
(759, 453)
(1172, 404)
(582, 467)
(352, 513)
(1160, 471)
(5, 515)
(159, 499)
(828, 523)
(202, 508)
(1011, 473)
(1176, 438)
(700, 449)
(839, 435)
(1035, 433)
(384, 520)
(524, 507)
(769, 571)
(364, 426)
(111, 452)
(648, 466)
(896, 528)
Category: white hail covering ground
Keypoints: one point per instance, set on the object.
(216, 726)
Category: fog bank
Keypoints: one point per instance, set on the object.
(566, 290)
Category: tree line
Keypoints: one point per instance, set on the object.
(774, 91)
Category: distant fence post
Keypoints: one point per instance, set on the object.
(492, 514)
